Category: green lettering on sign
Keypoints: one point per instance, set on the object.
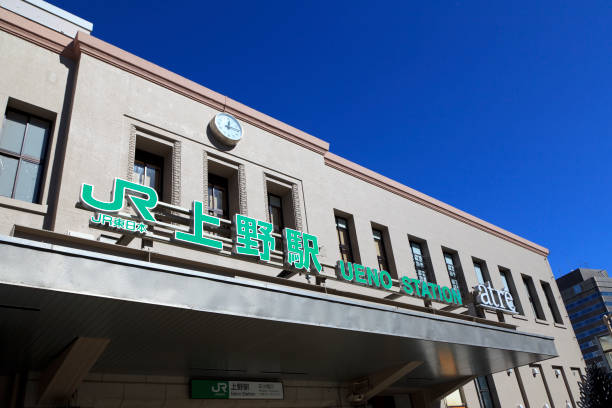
(210, 389)
(120, 189)
(119, 223)
(301, 250)
(196, 235)
(253, 237)
(356, 273)
(235, 389)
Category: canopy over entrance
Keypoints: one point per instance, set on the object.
(172, 321)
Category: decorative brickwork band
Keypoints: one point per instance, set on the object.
(176, 174)
(242, 189)
(295, 201)
(131, 153)
(205, 178)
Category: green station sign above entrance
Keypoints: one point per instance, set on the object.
(223, 389)
(356, 273)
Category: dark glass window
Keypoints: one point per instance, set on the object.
(379, 243)
(533, 297)
(481, 273)
(148, 170)
(344, 239)
(508, 283)
(23, 147)
(552, 305)
(218, 197)
(275, 212)
(453, 272)
(419, 261)
(486, 392)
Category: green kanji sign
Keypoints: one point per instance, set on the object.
(251, 237)
(196, 235)
(301, 250)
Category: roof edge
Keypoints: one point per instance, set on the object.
(99, 49)
(33, 32)
(356, 170)
(87, 44)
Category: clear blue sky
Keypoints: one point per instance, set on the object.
(502, 109)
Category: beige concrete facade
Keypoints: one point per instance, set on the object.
(102, 101)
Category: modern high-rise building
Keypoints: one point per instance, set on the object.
(587, 294)
(164, 245)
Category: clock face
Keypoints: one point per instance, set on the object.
(227, 128)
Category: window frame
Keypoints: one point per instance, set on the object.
(506, 274)
(222, 184)
(491, 390)
(348, 248)
(533, 298)
(457, 270)
(380, 242)
(484, 271)
(20, 157)
(278, 227)
(552, 304)
(425, 260)
(153, 161)
(281, 226)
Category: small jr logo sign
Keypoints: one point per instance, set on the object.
(220, 387)
(210, 389)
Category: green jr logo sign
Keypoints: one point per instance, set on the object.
(251, 237)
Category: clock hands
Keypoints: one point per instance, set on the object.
(227, 126)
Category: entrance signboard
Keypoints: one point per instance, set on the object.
(222, 389)
(251, 237)
(489, 298)
(355, 273)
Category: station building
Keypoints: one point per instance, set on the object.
(164, 245)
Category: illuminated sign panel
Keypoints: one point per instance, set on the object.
(223, 389)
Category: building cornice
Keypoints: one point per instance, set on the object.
(369, 176)
(33, 32)
(92, 46)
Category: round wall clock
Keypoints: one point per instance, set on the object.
(226, 129)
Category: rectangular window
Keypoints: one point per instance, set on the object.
(379, 243)
(148, 170)
(552, 305)
(534, 301)
(283, 207)
(218, 203)
(421, 261)
(482, 275)
(508, 283)
(344, 239)
(23, 148)
(454, 272)
(486, 392)
(275, 212)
